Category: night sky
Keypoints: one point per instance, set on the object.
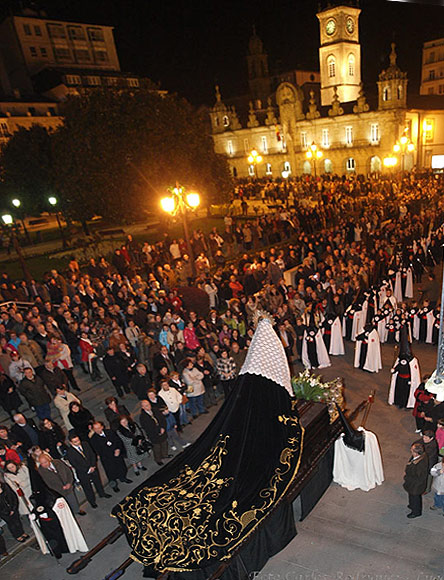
(189, 45)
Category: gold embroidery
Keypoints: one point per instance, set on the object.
(172, 525)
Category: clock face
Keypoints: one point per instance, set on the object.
(330, 27)
(350, 25)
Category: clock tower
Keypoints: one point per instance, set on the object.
(340, 53)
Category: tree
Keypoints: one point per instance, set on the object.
(163, 137)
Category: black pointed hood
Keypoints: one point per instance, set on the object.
(405, 352)
(352, 437)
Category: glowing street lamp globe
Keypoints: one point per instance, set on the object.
(7, 219)
(410, 147)
(52, 200)
(168, 204)
(396, 147)
(193, 199)
(390, 161)
(16, 202)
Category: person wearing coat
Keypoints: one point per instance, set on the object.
(415, 479)
(80, 418)
(154, 424)
(114, 411)
(34, 390)
(62, 401)
(18, 478)
(110, 449)
(117, 370)
(9, 398)
(83, 459)
(30, 350)
(52, 438)
(437, 472)
(141, 382)
(25, 433)
(132, 438)
(9, 512)
(192, 377)
(53, 377)
(59, 478)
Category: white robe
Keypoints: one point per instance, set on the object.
(373, 362)
(415, 379)
(321, 350)
(398, 286)
(355, 469)
(409, 284)
(336, 342)
(430, 323)
(71, 530)
(358, 324)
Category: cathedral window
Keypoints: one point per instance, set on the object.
(374, 133)
(349, 135)
(350, 164)
(331, 64)
(303, 139)
(325, 138)
(351, 65)
(268, 170)
(226, 121)
(230, 147)
(399, 92)
(251, 170)
(264, 144)
(386, 94)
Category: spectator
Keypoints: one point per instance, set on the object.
(52, 438)
(136, 447)
(192, 377)
(17, 367)
(141, 382)
(53, 377)
(9, 398)
(9, 511)
(110, 449)
(113, 412)
(25, 433)
(80, 418)
(415, 479)
(62, 401)
(34, 390)
(226, 369)
(117, 370)
(437, 472)
(153, 423)
(60, 355)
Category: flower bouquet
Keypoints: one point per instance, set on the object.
(310, 387)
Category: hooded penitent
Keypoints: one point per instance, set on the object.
(406, 375)
(352, 437)
(201, 508)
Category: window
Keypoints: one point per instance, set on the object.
(52, 111)
(264, 144)
(351, 65)
(225, 121)
(374, 133)
(430, 90)
(268, 170)
(76, 33)
(325, 138)
(73, 80)
(431, 57)
(43, 52)
(93, 81)
(331, 66)
(328, 166)
(251, 170)
(441, 89)
(246, 146)
(133, 82)
(37, 31)
(287, 166)
(33, 50)
(304, 139)
(101, 56)
(306, 167)
(386, 94)
(234, 172)
(349, 135)
(4, 131)
(62, 54)
(56, 31)
(111, 81)
(82, 55)
(95, 34)
(399, 92)
(432, 75)
(32, 111)
(27, 29)
(230, 147)
(350, 165)
(428, 129)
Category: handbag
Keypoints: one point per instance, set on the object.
(184, 399)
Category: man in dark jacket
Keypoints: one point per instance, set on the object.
(153, 422)
(24, 432)
(415, 479)
(141, 382)
(117, 370)
(53, 377)
(36, 394)
(109, 448)
(84, 461)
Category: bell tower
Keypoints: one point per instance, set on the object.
(258, 75)
(339, 53)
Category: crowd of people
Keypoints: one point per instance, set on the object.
(173, 332)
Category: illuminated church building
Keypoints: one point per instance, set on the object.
(327, 113)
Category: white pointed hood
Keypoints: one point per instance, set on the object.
(266, 357)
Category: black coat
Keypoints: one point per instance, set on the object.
(113, 418)
(53, 379)
(48, 439)
(105, 447)
(415, 478)
(117, 369)
(34, 391)
(152, 425)
(81, 463)
(20, 435)
(140, 385)
(80, 422)
(10, 401)
(8, 501)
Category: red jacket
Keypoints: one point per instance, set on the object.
(10, 455)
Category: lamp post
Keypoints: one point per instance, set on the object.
(8, 221)
(314, 153)
(403, 146)
(179, 202)
(390, 162)
(53, 202)
(17, 203)
(253, 159)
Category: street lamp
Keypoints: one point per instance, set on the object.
(403, 146)
(8, 220)
(314, 153)
(53, 202)
(17, 203)
(179, 202)
(253, 159)
(390, 162)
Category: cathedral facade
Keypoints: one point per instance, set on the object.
(315, 123)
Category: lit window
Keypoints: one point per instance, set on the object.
(349, 135)
(95, 34)
(73, 80)
(441, 89)
(268, 170)
(27, 29)
(399, 92)
(325, 138)
(350, 164)
(386, 94)
(246, 146)
(303, 139)
(287, 166)
(374, 133)
(4, 131)
(331, 65)
(230, 147)
(351, 65)
(33, 50)
(133, 82)
(251, 170)
(428, 129)
(328, 166)
(76, 33)
(37, 31)
(112, 81)
(264, 144)
(93, 81)
(432, 75)
(225, 121)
